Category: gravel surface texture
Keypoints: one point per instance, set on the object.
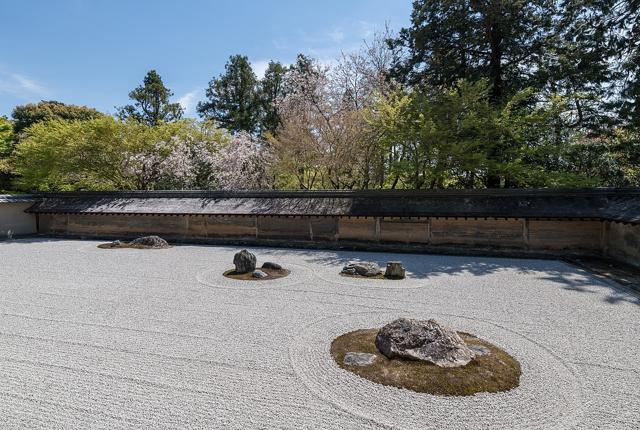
(160, 339)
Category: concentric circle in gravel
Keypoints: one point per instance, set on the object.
(494, 370)
(549, 395)
(215, 277)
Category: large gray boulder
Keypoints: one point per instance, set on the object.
(362, 269)
(423, 340)
(244, 261)
(151, 242)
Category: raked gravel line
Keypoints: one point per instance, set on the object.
(132, 339)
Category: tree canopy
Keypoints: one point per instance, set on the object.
(151, 102)
(271, 89)
(472, 94)
(232, 98)
(26, 115)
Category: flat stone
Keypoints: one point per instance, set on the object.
(358, 359)
(271, 266)
(244, 261)
(259, 274)
(425, 341)
(362, 269)
(479, 349)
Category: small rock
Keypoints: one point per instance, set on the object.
(259, 274)
(394, 270)
(358, 359)
(244, 261)
(362, 269)
(423, 340)
(151, 242)
(272, 266)
(479, 349)
(116, 243)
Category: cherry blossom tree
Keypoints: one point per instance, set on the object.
(243, 164)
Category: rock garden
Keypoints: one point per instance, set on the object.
(245, 268)
(426, 357)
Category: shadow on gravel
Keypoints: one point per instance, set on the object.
(426, 266)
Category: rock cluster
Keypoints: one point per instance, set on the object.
(244, 261)
(362, 269)
(151, 242)
(423, 340)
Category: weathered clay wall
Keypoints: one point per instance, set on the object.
(429, 233)
(622, 242)
(14, 221)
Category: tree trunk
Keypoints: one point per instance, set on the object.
(492, 12)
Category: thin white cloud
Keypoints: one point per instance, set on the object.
(260, 67)
(189, 100)
(366, 30)
(20, 86)
(336, 35)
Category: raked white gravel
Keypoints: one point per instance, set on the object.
(159, 339)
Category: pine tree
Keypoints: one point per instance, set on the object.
(449, 40)
(232, 98)
(272, 89)
(151, 102)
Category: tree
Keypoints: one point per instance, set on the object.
(26, 115)
(232, 98)
(271, 90)
(6, 149)
(624, 21)
(110, 154)
(451, 40)
(243, 163)
(322, 141)
(98, 154)
(457, 138)
(151, 102)
(6, 137)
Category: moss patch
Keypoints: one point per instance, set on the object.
(273, 274)
(492, 373)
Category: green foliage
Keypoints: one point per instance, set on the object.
(458, 138)
(232, 98)
(151, 102)
(271, 90)
(614, 160)
(98, 154)
(6, 148)
(450, 40)
(26, 115)
(6, 137)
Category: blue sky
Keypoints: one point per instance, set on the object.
(94, 52)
